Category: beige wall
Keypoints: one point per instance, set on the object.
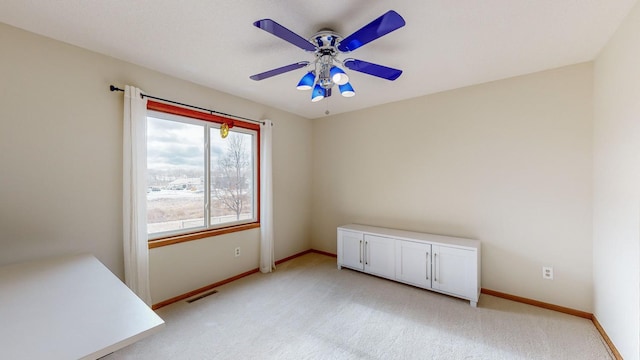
(616, 250)
(61, 164)
(508, 163)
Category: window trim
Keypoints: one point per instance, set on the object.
(200, 233)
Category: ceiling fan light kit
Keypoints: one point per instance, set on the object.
(326, 46)
(346, 90)
(318, 93)
(307, 81)
(338, 76)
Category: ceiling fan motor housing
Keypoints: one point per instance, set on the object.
(327, 43)
(326, 40)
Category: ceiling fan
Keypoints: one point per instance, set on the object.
(326, 45)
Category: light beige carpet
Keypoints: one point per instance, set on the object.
(307, 309)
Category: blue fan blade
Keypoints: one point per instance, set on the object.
(379, 27)
(278, 71)
(373, 69)
(285, 34)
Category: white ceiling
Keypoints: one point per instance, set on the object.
(445, 44)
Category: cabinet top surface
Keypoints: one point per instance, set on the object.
(412, 236)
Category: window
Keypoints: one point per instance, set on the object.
(198, 181)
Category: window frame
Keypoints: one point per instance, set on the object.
(210, 232)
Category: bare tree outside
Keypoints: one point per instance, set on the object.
(231, 178)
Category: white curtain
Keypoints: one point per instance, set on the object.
(267, 260)
(136, 251)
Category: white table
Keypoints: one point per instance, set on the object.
(69, 307)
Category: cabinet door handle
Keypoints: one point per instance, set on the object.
(435, 267)
(366, 259)
(427, 265)
(360, 251)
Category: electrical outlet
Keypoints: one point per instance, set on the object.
(237, 252)
(547, 272)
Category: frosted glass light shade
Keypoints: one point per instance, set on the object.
(317, 94)
(338, 76)
(306, 83)
(346, 90)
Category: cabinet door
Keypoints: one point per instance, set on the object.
(454, 271)
(379, 256)
(413, 263)
(350, 249)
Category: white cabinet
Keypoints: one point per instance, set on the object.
(453, 270)
(439, 263)
(368, 253)
(350, 249)
(413, 263)
(379, 256)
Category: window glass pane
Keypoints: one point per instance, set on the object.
(232, 177)
(175, 175)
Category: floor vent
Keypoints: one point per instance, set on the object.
(202, 296)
